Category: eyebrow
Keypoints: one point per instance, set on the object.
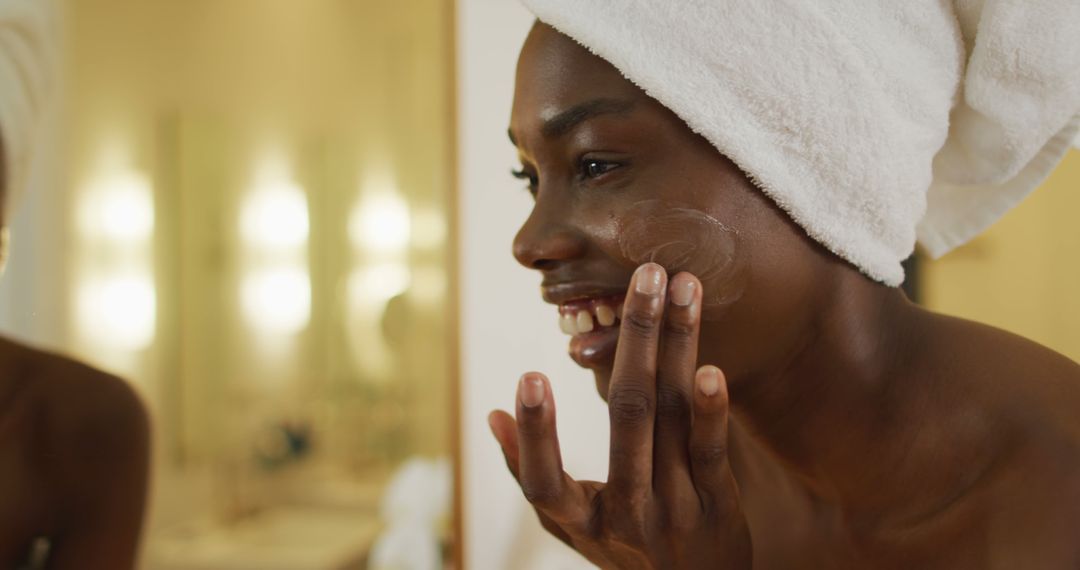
(565, 121)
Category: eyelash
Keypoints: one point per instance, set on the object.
(587, 169)
(606, 167)
(530, 178)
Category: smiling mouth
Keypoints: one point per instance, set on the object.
(587, 315)
(593, 325)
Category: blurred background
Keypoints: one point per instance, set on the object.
(251, 222)
(288, 223)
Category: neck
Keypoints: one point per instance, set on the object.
(842, 411)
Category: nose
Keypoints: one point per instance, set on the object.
(545, 241)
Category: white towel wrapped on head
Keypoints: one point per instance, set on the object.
(870, 123)
(27, 64)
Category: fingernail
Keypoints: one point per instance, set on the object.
(708, 380)
(682, 292)
(650, 279)
(531, 390)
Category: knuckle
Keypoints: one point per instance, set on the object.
(679, 328)
(640, 322)
(710, 510)
(671, 403)
(533, 429)
(708, 454)
(630, 407)
(717, 508)
(541, 495)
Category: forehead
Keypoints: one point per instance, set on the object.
(555, 73)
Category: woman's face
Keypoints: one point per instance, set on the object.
(619, 180)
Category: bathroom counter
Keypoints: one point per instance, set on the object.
(278, 539)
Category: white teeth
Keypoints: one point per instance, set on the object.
(584, 322)
(605, 315)
(568, 324)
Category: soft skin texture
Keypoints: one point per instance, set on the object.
(862, 430)
(74, 457)
(682, 238)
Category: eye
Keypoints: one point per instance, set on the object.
(592, 168)
(532, 179)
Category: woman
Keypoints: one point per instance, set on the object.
(775, 401)
(73, 441)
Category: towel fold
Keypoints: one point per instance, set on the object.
(872, 124)
(27, 63)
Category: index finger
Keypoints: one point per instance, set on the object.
(632, 394)
(540, 472)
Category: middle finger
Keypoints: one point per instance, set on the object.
(674, 389)
(632, 395)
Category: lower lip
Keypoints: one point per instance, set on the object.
(595, 349)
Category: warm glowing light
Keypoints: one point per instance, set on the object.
(374, 286)
(277, 301)
(429, 229)
(119, 311)
(381, 224)
(276, 216)
(119, 208)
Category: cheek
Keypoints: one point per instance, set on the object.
(680, 237)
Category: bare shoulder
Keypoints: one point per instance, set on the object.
(1028, 392)
(1028, 397)
(82, 414)
(1004, 371)
(1032, 501)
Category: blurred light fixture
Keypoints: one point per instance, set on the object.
(274, 226)
(119, 208)
(119, 310)
(372, 286)
(381, 224)
(277, 300)
(116, 299)
(276, 217)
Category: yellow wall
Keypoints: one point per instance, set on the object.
(1023, 275)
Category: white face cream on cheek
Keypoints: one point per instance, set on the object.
(680, 237)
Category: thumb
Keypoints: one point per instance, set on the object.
(504, 428)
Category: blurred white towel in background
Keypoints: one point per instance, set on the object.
(29, 49)
(416, 509)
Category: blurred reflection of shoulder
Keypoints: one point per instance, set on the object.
(74, 449)
(80, 414)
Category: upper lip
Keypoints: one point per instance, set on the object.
(567, 291)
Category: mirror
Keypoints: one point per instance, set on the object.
(254, 213)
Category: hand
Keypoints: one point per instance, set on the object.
(671, 500)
